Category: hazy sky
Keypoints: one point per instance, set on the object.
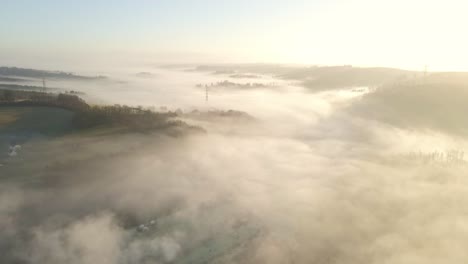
(399, 33)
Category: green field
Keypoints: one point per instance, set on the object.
(19, 125)
(45, 121)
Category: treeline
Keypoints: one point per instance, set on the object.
(133, 119)
(122, 115)
(33, 98)
(86, 116)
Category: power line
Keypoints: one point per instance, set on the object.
(43, 84)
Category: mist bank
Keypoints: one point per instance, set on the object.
(336, 175)
(226, 197)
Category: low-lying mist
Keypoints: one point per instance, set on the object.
(345, 175)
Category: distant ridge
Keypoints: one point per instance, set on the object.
(33, 73)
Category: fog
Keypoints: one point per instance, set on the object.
(370, 173)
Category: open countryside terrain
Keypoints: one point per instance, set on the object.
(287, 171)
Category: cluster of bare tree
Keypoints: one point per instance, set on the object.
(228, 84)
(451, 156)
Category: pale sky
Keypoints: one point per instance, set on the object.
(394, 33)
